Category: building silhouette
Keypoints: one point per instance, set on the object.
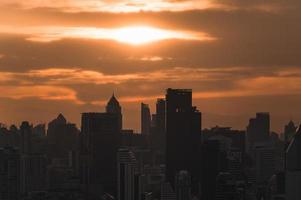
(289, 131)
(33, 173)
(145, 119)
(126, 164)
(114, 107)
(183, 185)
(258, 130)
(62, 138)
(25, 138)
(293, 167)
(9, 173)
(226, 187)
(183, 136)
(100, 140)
(161, 114)
(265, 162)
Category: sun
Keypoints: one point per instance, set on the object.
(142, 35)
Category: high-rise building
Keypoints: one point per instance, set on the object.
(214, 161)
(293, 168)
(226, 187)
(265, 163)
(160, 114)
(33, 173)
(145, 119)
(183, 136)
(183, 185)
(289, 131)
(39, 130)
(233, 142)
(100, 140)
(25, 138)
(9, 173)
(114, 107)
(126, 163)
(258, 130)
(62, 138)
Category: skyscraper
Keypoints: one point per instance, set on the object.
(100, 140)
(258, 129)
(114, 107)
(145, 119)
(9, 173)
(126, 163)
(183, 136)
(62, 137)
(26, 138)
(289, 131)
(33, 173)
(160, 114)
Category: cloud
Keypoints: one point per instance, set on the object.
(45, 92)
(71, 84)
(111, 6)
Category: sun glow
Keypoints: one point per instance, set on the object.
(133, 35)
(144, 35)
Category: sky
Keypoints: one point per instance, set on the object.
(68, 56)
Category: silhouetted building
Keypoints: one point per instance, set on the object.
(62, 137)
(39, 130)
(183, 136)
(289, 131)
(126, 163)
(226, 187)
(161, 114)
(25, 138)
(276, 187)
(264, 158)
(293, 168)
(33, 173)
(114, 107)
(9, 173)
(214, 161)
(183, 185)
(100, 140)
(145, 119)
(233, 144)
(258, 129)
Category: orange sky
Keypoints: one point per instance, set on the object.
(239, 57)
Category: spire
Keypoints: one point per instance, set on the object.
(113, 105)
(61, 119)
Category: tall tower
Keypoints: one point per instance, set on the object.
(100, 140)
(160, 114)
(26, 138)
(258, 130)
(113, 107)
(145, 119)
(183, 136)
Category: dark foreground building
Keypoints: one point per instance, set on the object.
(100, 140)
(183, 136)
